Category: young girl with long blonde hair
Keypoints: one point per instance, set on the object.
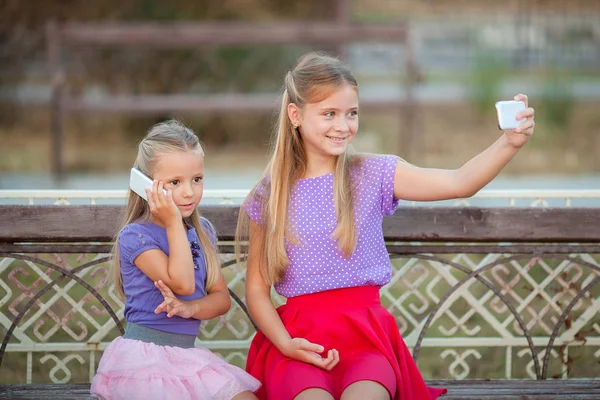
(167, 266)
(314, 225)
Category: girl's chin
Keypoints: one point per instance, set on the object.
(337, 150)
(186, 211)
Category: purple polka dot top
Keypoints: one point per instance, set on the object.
(316, 263)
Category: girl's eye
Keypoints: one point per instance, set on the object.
(197, 179)
(329, 114)
(354, 113)
(174, 182)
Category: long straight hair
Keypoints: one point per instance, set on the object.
(315, 78)
(166, 137)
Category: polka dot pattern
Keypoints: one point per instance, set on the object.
(316, 263)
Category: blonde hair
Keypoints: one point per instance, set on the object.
(315, 77)
(166, 137)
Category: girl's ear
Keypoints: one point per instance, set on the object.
(294, 114)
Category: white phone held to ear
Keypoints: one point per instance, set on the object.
(138, 182)
(507, 113)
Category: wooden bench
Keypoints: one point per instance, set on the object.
(422, 235)
(457, 390)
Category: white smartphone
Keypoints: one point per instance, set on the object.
(507, 113)
(138, 182)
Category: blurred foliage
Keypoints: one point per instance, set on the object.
(485, 80)
(556, 102)
(22, 36)
(129, 70)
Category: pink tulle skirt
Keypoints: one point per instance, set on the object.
(132, 369)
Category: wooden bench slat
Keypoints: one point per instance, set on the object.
(46, 391)
(426, 224)
(552, 384)
(575, 389)
(473, 224)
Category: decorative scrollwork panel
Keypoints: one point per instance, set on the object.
(464, 315)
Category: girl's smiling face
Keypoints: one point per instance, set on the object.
(327, 127)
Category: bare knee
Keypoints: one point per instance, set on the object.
(365, 390)
(247, 395)
(314, 394)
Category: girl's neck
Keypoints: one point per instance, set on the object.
(319, 166)
(157, 221)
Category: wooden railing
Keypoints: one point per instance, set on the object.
(337, 33)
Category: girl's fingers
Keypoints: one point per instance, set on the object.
(313, 358)
(161, 193)
(174, 311)
(169, 197)
(306, 345)
(164, 289)
(162, 307)
(527, 113)
(148, 194)
(154, 200)
(158, 194)
(150, 197)
(329, 362)
(526, 127)
(522, 97)
(335, 359)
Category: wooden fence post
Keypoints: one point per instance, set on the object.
(57, 79)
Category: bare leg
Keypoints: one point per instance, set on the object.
(365, 390)
(314, 394)
(247, 395)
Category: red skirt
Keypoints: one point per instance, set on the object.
(354, 322)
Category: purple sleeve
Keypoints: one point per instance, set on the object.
(388, 172)
(134, 239)
(253, 203)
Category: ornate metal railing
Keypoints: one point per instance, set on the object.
(530, 313)
(458, 308)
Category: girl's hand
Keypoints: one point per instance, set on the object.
(302, 350)
(162, 206)
(172, 305)
(519, 136)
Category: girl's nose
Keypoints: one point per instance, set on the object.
(342, 125)
(187, 191)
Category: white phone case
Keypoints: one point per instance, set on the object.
(507, 113)
(138, 182)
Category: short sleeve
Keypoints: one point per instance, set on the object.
(253, 205)
(387, 168)
(210, 231)
(135, 239)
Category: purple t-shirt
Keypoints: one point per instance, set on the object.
(142, 296)
(316, 263)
